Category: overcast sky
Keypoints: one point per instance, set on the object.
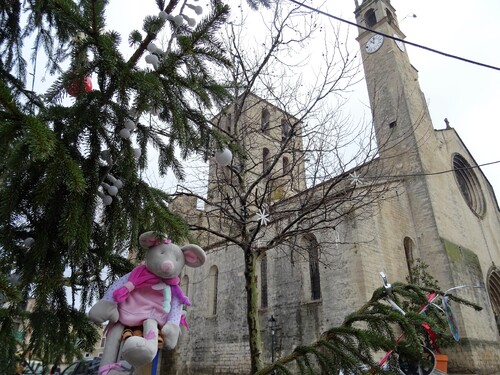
(468, 95)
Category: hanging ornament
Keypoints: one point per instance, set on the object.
(137, 153)
(106, 199)
(152, 59)
(152, 47)
(130, 125)
(115, 181)
(160, 52)
(163, 15)
(263, 216)
(125, 133)
(355, 178)
(197, 9)
(224, 157)
(75, 87)
(190, 21)
(178, 20)
(112, 190)
(28, 242)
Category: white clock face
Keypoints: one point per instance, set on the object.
(374, 43)
(399, 43)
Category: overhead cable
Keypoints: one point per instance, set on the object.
(394, 38)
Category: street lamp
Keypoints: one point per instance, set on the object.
(272, 326)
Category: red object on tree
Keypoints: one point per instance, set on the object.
(75, 88)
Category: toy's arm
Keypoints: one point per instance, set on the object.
(175, 314)
(106, 308)
(108, 296)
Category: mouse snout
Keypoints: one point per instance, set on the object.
(167, 266)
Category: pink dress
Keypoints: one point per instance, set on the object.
(145, 303)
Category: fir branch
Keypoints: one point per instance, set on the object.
(349, 347)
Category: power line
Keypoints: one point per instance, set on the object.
(436, 173)
(394, 38)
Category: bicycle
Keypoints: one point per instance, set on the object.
(427, 365)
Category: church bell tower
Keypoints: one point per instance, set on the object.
(400, 116)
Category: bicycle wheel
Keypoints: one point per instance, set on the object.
(423, 367)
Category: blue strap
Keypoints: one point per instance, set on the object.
(154, 365)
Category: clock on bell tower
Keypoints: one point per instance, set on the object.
(399, 109)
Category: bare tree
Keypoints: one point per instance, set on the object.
(299, 165)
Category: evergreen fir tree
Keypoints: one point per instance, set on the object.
(62, 164)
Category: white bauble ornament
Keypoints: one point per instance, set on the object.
(191, 21)
(155, 59)
(125, 133)
(152, 47)
(118, 183)
(163, 15)
(137, 153)
(197, 9)
(115, 181)
(224, 157)
(28, 242)
(129, 124)
(152, 59)
(107, 200)
(178, 20)
(112, 190)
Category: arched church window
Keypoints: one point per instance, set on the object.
(285, 129)
(286, 166)
(312, 248)
(468, 184)
(263, 281)
(370, 18)
(265, 159)
(390, 17)
(213, 280)
(264, 121)
(494, 293)
(410, 260)
(228, 122)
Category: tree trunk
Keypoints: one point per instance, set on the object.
(254, 337)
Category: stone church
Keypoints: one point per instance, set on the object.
(433, 203)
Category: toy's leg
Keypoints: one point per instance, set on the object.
(141, 350)
(170, 333)
(111, 348)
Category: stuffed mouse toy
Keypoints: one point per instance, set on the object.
(149, 296)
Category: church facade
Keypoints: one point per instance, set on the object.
(433, 203)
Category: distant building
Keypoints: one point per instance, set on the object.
(99, 346)
(439, 207)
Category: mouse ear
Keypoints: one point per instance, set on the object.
(149, 239)
(194, 255)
